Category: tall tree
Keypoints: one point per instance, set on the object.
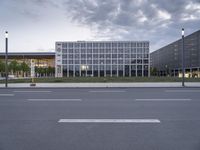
(39, 71)
(14, 67)
(2, 67)
(50, 71)
(25, 68)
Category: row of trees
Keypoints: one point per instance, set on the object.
(45, 72)
(23, 69)
(15, 68)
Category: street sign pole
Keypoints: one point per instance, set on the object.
(32, 72)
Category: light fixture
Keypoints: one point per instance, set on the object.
(183, 32)
(6, 34)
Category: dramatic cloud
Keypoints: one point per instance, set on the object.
(158, 21)
(154, 20)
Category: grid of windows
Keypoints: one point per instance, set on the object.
(168, 59)
(105, 58)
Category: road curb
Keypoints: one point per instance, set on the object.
(103, 85)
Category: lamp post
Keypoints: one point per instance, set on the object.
(6, 59)
(183, 57)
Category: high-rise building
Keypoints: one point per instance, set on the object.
(102, 58)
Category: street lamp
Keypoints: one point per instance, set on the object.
(183, 64)
(6, 59)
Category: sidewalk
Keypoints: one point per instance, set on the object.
(91, 85)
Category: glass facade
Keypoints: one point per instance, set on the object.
(109, 58)
(44, 61)
(168, 59)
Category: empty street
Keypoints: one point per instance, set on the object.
(100, 118)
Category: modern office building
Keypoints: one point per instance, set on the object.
(102, 58)
(168, 60)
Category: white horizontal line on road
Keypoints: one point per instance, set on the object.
(107, 91)
(6, 94)
(162, 99)
(109, 121)
(32, 91)
(55, 100)
(182, 91)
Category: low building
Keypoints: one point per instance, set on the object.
(102, 58)
(168, 60)
(43, 60)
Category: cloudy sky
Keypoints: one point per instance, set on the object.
(35, 25)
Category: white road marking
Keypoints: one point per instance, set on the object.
(6, 94)
(107, 91)
(55, 100)
(163, 99)
(109, 121)
(184, 91)
(32, 91)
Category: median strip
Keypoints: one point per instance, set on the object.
(109, 121)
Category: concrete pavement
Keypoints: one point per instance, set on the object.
(90, 85)
(115, 118)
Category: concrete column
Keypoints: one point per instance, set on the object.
(68, 62)
(117, 63)
(67, 70)
(98, 60)
(129, 59)
(104, 66)
(136, 71)
(73, 61)
(61, 71)
(98, 70)
(92, 61)
(123, 61)
(104, 70)
(86, 60)
(73, 70)
(136, 61)
(79, 61)
(111, 61)
(149, 73)
(142, 68)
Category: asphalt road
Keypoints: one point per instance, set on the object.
(106, 119)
